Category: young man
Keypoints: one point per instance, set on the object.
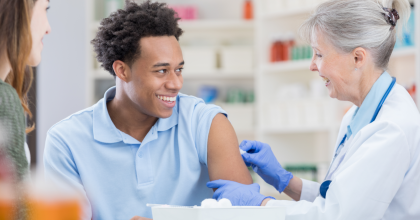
(143, 142)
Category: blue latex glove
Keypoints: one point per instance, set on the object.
(264, 163)
(238, 194)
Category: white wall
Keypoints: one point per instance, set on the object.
(62, 74)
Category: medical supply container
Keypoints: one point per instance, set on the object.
(166, 212)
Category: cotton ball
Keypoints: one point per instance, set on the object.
(225, 203)
(209, 203)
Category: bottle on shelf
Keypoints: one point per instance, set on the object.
(277, 49)
(288, 44)
(188, 12)
(284, 48)
(248, 10)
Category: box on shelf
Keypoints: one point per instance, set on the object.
(199, 60)
(308, 112)
(234, 59)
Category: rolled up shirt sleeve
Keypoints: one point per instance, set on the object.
(202, 119)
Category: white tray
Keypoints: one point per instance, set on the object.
(231, 213)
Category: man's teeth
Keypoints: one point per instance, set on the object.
(167, 98)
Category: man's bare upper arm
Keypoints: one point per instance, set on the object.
(223, 158)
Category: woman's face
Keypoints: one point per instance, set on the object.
(39, 28)
(336, 68)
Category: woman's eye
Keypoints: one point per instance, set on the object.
(319, 55)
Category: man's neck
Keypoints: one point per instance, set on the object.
(128, 119)
(4, 65)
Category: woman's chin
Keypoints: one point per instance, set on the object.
(34, 60)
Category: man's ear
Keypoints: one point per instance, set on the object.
(122, 70)
(360, 56)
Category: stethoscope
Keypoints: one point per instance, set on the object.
(326, 184)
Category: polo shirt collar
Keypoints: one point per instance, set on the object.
(104, 129)
(364, 114)
(164, 124)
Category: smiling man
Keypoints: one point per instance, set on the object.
(144, 142)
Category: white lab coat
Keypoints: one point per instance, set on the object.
(379, 177)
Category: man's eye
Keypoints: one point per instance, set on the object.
(179, 70)
(319, 55)
(161, 71)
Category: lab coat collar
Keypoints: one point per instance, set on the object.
(105, 131)
(364, 114)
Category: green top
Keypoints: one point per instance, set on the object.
(12, 119)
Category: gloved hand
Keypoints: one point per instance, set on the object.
(238, 194)
(264, 163)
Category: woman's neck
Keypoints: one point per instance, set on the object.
(366, 83)
(4, 66)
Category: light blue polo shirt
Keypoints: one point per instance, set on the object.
(117, 174)
(363, 114)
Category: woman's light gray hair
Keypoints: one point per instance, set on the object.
(349, 24)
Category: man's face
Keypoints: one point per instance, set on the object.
(156, 76)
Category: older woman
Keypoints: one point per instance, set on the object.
(375, 172)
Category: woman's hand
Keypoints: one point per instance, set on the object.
(238, 194)
(264, 163)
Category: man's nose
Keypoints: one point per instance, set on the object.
(174, 81)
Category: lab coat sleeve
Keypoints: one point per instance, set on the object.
(60, 168)
(310, 190)
(365, 183)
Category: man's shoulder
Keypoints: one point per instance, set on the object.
(192, 107)
(75, 122)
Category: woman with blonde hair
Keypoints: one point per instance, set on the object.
(23, 24)
(375, 171)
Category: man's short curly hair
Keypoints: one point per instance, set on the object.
(119, 35)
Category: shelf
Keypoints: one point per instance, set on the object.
(216, 24)
(206, 24)
(290, 13)
(297, 129)
(102, 74)
(287, 66)
(220, 75)
(401, 52)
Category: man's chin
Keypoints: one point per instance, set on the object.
(165, 114)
